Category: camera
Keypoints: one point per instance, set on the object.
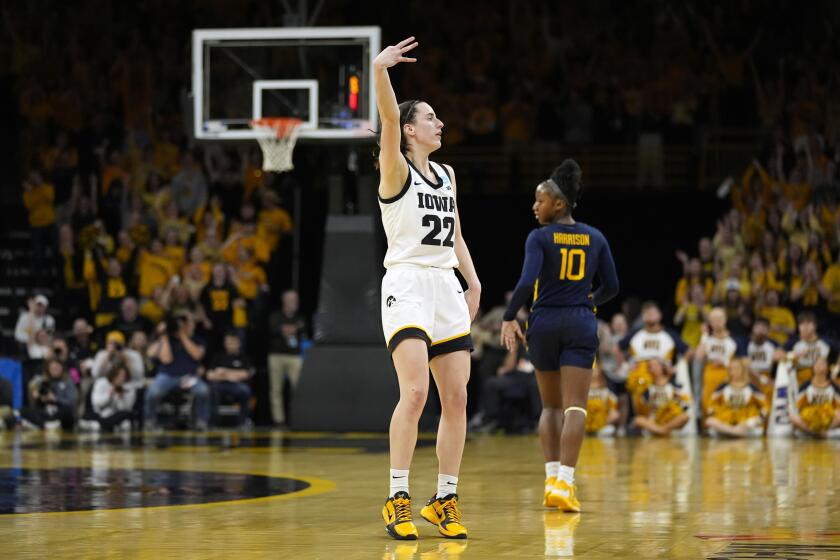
(44, 389)
(173, 324)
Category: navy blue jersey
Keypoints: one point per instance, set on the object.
(561, 263)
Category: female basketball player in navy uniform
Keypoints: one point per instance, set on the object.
(426, 315)
(561, 260)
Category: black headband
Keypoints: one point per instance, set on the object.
(552, 184)
(404, 120)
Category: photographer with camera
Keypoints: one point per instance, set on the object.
(52, 397)
(112, 400)
(178, 354)
(116, 352)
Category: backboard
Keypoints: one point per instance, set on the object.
(322, 75)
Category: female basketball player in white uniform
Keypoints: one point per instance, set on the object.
(426, 315)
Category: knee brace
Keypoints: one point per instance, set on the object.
(575, 408)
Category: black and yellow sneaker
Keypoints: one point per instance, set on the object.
(397, 516)
(444, 513)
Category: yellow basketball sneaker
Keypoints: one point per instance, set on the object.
(397, 516)
(564, 494)
(550, 497)
(444, 513)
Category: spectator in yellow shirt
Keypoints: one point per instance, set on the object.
(245, 237)
(691, 315)
(211, 247)
(693, 277)
(209, 217)
(272, 221)
(171, 219)
(154, 267)
(781, 319)
(39, 200)
(830, 286)
(155, 307)
(805, 288)
(174, 248)
(249, 277)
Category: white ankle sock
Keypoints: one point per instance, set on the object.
(447, 485)
(566, 473)
(551, 469)
(399, 481)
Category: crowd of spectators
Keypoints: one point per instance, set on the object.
(537, 71)
(157, 254)
(117, 376)
(567, 73)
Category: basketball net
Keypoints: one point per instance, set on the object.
(277, 141)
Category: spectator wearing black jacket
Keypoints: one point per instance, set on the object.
(228, 376)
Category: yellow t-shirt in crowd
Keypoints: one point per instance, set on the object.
(200, 272)
(831, 282)
(685, 284)
(693, 324)
(154, 271)
(258, 247)
(779, 318)
(39, 201)
(810, 297)
(176, 254)
(249, 277)
(271, 224)
(150, 309)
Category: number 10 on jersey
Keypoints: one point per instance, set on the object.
(571, 259)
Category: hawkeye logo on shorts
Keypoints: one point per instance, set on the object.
(390, 301)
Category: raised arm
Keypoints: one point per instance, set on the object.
(392, 165)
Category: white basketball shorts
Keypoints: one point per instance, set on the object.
(426, 303)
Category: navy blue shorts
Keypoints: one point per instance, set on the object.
(562, 336)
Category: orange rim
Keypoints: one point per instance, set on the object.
(282, 126)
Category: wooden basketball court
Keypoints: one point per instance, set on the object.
(295, 495)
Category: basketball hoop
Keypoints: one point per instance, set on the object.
(277, 141)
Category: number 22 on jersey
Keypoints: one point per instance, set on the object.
(572, 264)
(438, 225)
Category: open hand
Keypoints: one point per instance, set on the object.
(511, 335)
(393, 55)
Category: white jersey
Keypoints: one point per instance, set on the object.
(419, 222)
(761, 356)
(658, 345)
(806, 354)
(718, 349)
